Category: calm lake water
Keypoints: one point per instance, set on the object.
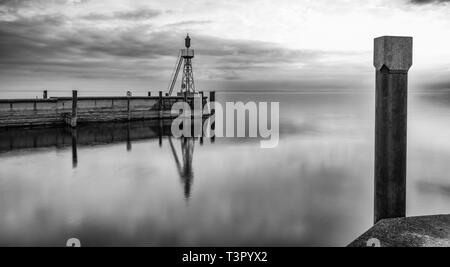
(131, 184)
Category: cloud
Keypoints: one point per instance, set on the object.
(117, 39)
(429, 1)
(141, 14)
(55, 44)
(189, 23)
(14, 5)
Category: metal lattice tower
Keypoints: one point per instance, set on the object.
(187, 82)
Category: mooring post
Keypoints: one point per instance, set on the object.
(128, 105)
(202, 95)
(45, 95)
(161, 119)
(160, 104)
(212, 100)
(74, 119)
(392, 60)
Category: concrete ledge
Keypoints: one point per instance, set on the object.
(425, 231)
(29, 100)
(56, 99)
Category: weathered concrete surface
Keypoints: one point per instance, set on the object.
(58, 111)
(425, 231)
(394, 52)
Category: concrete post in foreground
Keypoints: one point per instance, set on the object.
(45, 95)
(392, 60)
(73, 121)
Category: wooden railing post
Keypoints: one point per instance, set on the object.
(74, 119)
(212, 100)
(129, 105)
(392, 60)
(160, 104)
(202, 95)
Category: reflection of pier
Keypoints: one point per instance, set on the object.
(16, 139)
(13, 139)
(74, 148)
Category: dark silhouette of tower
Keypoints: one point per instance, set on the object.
(187, 82)
(185, 59)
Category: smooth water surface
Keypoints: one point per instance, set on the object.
(132, 184)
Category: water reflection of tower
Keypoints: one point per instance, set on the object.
(184, 168)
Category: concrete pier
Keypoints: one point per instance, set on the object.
(425, 231)
(392, 60)
(75, 110)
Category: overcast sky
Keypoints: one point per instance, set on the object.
(240, 45)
